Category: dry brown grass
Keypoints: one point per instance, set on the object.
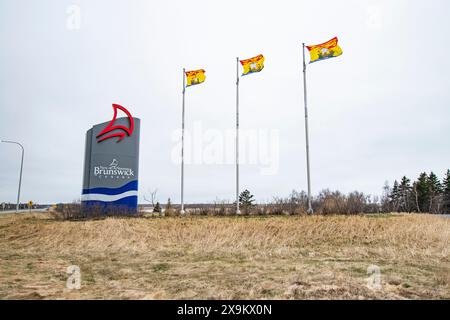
(286, 257)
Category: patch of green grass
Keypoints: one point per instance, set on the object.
(359, 270)
(379, 215)
(11, 256)
(160, 267)
(267, 291)
(89, 278)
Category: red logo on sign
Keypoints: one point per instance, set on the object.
(111, 127)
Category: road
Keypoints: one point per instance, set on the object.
(22, 211)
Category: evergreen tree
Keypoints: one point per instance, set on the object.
(446, 192)
(169, 211)
(395, 196)
(422, 193)
(434, 183)
(246, 201)
(405, 194)
(157, 208)
(435, 192)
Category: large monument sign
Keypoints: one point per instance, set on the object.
(111, 164)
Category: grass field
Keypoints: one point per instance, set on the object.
(283, 257)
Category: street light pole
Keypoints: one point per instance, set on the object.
(21, 167)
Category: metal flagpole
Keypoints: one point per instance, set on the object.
(182, 145)
(237, 136)
(310, 210)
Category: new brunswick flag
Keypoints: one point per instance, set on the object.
(195, 77)
(251, 65)
(326, 50)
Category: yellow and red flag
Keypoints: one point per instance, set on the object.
(255, 64)
(326, 50)
(195, 77)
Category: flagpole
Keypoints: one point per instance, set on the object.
(310, 209)
(237, 136)
(182, 145)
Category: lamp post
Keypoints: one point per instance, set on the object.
(21, 167)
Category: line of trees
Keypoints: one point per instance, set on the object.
(325, 203)
(426, 194)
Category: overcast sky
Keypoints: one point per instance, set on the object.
(378, 112)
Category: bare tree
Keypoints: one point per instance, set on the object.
(153, 195)
(416, 196)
